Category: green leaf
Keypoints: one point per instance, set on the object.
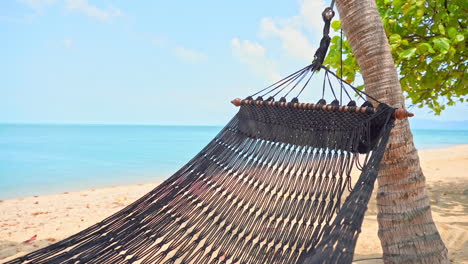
(425, 47)
(442, 44)
(393, 47)
(441, 29)
(420, 12)
(427, 41)
(420, 3)
(395, 39)
(452, 32)
(439, 57)
(407, 54)
(459, 38)
(336, 25)
(397, 4)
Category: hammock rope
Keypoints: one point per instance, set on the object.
(274, 186)
(265, 190)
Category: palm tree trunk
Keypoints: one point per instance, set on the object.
(406, 229)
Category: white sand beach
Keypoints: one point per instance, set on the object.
(31, 223)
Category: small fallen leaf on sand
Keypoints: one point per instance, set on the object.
(30, 240)
(50, 239)
(36, 203)
(39, 213)
(87, 206)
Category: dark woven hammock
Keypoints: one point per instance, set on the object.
(271, 187)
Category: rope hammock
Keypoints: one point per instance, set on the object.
(274, 186)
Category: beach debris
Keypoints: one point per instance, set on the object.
(87, 206)
(36, 202)
(30, 240)
(39, 213)
(118, 204)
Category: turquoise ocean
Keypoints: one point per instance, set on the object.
(44, 159)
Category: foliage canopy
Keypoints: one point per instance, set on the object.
(428, 42)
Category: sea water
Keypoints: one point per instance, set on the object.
(43, 159)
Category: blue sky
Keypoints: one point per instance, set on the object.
(151, 62)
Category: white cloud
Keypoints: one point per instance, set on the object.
(292, 30)
(293, 40)
(247, 48)
(189, 55)
(159, 41)
(92, 11)
(293, 33)
(311, 14)
(67, 43)
(254, 56)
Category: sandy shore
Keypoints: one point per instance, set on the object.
(47, 219)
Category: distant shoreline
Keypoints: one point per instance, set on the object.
(157, 182)
(44, 159)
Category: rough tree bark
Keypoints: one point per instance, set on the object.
(406, 229)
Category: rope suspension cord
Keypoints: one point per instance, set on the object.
(341, 66)
(293, 80)
(299, 76)
(359, 92)
(304, 86)
(280, 82)
(317, 64)
(323, 87)
(329, 83)
(292, 88)
(319, 56)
